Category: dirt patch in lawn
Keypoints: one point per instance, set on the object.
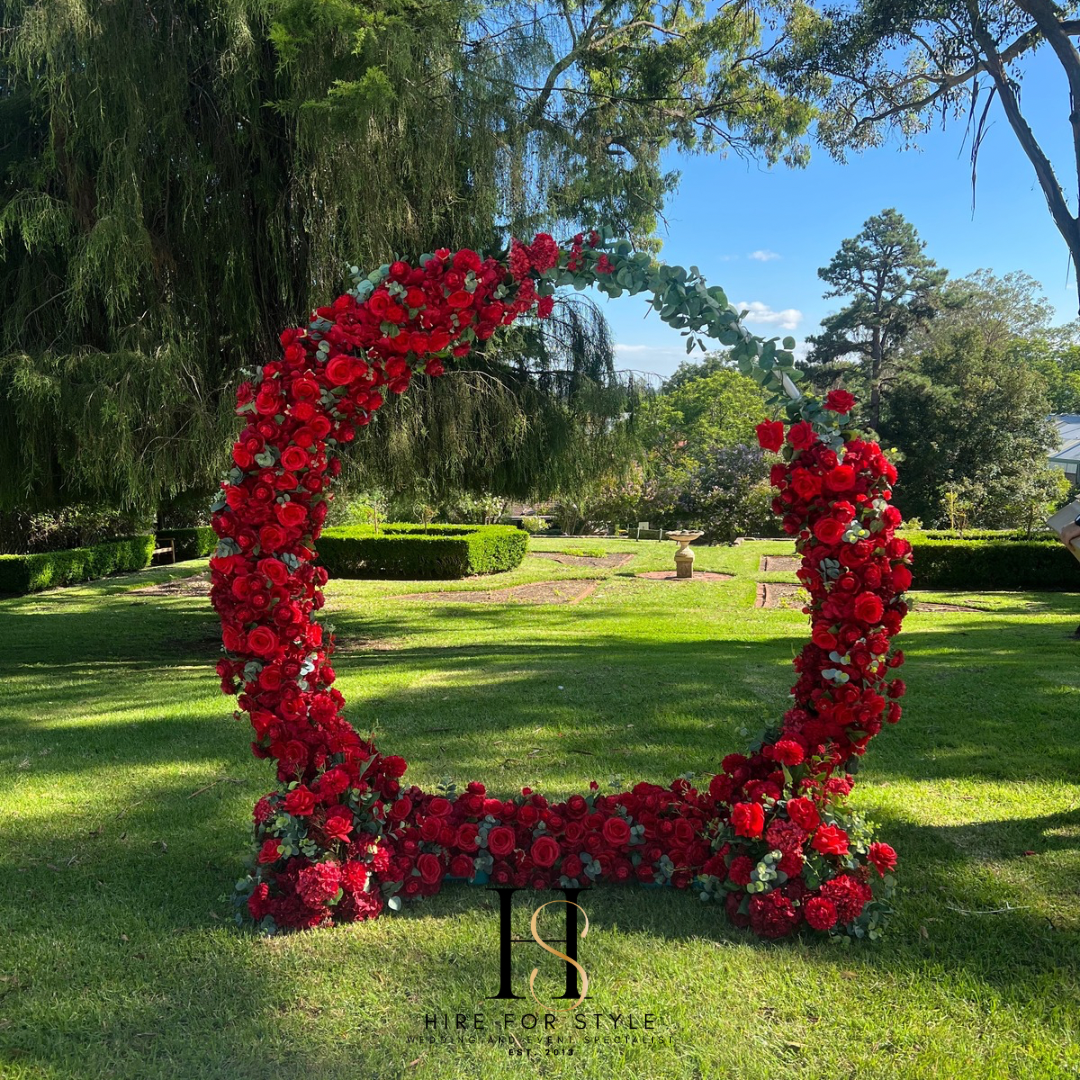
(607, 561)
(770, 594)
(193, 585)
(779, 564)
(540, 592)
(926, 605)
(357, 646)
(670, 575)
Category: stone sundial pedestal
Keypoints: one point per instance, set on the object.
(684, 556)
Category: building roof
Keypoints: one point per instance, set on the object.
(1068, 425)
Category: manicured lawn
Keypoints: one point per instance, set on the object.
(126, 789)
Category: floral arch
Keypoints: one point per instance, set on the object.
(344, 835)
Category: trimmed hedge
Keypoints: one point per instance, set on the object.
(993, 564)
(1040, 536)
(191, 543)
(413, 551)
(31, 573)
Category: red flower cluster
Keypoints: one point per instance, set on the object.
(342, 833)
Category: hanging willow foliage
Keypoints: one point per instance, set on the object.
(179, 179)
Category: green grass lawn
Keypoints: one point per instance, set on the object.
(126, 789)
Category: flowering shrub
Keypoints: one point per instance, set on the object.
(342, 835)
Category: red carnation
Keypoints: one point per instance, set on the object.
(394, 766)
(848, 895)
(748, 819)
(742, 866)
(830, 840)
(770, 435)
(786, 751)
(840, 401)
(544, 852)
(820, 913)
(772, 915)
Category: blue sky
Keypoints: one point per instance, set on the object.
(762, 234)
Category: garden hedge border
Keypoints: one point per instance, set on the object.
(416, 551)
(194, 543)
(21, 574)
(990, 564)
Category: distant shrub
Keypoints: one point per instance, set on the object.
(31, 573)
(191, 543)
(992, 564)
(418, 551)
(533, 525)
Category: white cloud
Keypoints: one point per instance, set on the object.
(633, 348)
(757, 312)
(763, 255)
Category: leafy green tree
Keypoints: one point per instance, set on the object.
(970, 421)
(894, 288)
(179, 181)
(681, 429)
(881, 68)
(728, 494)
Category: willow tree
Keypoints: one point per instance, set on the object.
(180, 179)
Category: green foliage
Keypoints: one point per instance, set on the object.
(893, 288)
(417, 551)
(32, 573)
(191, 543)
(971, 422)
(980, 564)
(179, 185)
(25, 532)
(533, 525)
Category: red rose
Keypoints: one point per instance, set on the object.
(820, 913)
(869, 608)
(439, 807)
(900, 578)
(269, 852)
(576, 806)
(528, 815)
(828, 530)
(617, 831)
(804, 813)
(461, 866)
(262, 641)
(300, 801)
(294, 458)
(339, 823)
(883, 857)
(842, 478)
(465, 837)
(748, 819)
(431, 870)
(897, 688)
(840, 401)
(802, 435)
(544, 852)
(339, 371)
(830, 840)
(501, 841)
(770, 435)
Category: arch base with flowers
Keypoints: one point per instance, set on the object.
(344, 835)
